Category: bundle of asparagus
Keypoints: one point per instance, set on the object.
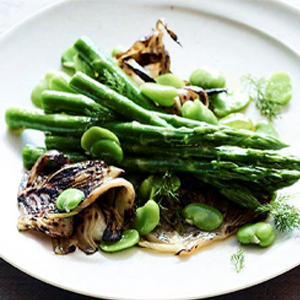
(245, 166)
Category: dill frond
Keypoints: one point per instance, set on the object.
(256, 88)
(286, 216)
(238, 260)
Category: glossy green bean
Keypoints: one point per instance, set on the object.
(107, 150)
(261, 233)
(203, 216)
(94, 134)
(163, 95)
(147, 217)
(129, 238)
(196, 110)
(207, 78)
(69, 199)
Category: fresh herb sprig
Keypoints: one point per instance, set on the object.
(238, 260)
(286, 216)
(257, 90)
(167, 188)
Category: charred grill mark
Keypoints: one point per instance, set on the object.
(59, 158)
(37, 198)
(112, 232)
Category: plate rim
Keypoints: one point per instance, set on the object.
(4, 35)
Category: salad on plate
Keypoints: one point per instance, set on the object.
(137, 155)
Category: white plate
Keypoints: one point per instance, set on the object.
(257, 37)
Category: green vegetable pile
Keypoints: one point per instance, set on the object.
(100, 113)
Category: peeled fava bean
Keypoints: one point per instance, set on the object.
(108, 150)
(36, 95)
(161, 94)
(279, 88)
(264, 127)
(94, 134)
(170, 80)
(196, 110)
(224, 103)
(147, 217)
(261, 233)
(237, 121)
(202, 216)
(69, 199)
(129, 238)
(207, 78)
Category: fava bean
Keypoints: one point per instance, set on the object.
(53, 80)
(224, 104)
(129, 238)
(237, 121)
(147, 217)
(196, 110)
(69, 199)
(265, 127)
(36, 95)
(261, 233)
(67, 58)
(202, 216)
(108, 150)
(95, 134)
(148, 188)
(163, 95)
(207, 78)
(60, 83)
(279, 88)
(170, 80)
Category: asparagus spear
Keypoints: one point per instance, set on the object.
(243, 193)
(218, 169)
(17, 118)
(233, 191)
(259, 158)
(141, 134)
(200, 136)
(114, 101)
(211, 133)
(57, 102)
(63, 143)
(108, 70)
(241, 157)
(88, 107)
